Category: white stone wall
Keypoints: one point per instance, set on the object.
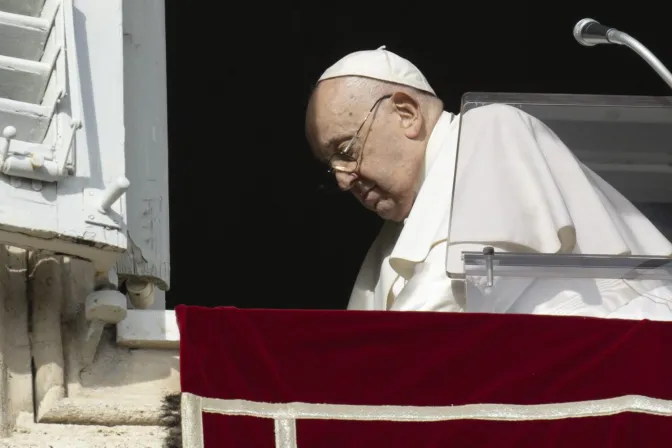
(48, 395)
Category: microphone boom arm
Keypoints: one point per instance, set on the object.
(619, 37)
(588, 32)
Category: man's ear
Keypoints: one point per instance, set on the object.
(408, 110)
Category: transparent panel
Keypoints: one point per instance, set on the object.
(562, 202)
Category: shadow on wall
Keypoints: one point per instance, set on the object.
(172, 418)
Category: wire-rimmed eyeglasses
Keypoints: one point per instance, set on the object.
(345, 161)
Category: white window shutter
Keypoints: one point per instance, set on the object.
(62, 159)
(147, 260)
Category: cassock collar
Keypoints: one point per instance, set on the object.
(436, 141)
(426, 219)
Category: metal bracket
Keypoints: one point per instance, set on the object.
(489, 264)
(99, 204)
(104, 306)
(94, 216)
(488, 253)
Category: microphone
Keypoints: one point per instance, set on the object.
(589, 32)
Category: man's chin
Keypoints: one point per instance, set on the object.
(390, 211)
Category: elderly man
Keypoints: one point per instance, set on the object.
(374, 120)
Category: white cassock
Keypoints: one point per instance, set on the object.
(518, 189)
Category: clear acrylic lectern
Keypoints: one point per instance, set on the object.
(625, 142)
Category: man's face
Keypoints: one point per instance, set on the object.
(388, 149)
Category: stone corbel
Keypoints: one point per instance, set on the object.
(104, 306)
(69, 328)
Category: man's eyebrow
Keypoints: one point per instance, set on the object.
(337, 139)
(333, 141)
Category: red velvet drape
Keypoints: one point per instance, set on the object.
(426, 359)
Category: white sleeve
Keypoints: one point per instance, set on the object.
(363, 296)
(430, 289)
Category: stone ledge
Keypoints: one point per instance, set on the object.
(86, 436)
(151, 329)
(109, 411)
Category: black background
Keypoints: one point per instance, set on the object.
(250, 226)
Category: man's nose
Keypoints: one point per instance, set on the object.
(345, 181)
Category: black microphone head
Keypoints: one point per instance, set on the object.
(579, 29)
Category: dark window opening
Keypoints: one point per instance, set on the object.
(250, 224)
